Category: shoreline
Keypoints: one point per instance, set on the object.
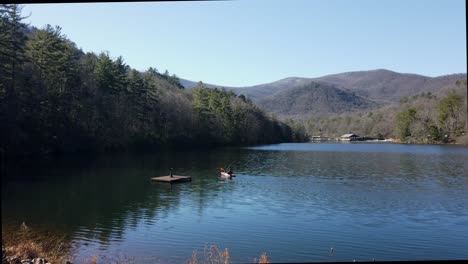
(390, 140)
(26, 246)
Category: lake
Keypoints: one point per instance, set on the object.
(293, 201)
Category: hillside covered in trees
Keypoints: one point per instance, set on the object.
(314, 99)
(422, 118)
(55, 98)
(377, 85)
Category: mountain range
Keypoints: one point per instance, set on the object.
(297, 97)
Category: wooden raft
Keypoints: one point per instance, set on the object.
(173, 179)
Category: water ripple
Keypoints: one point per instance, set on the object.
(293, 201)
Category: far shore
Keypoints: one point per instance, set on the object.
(461, 140)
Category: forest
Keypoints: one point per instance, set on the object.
(422, 118)
(55, 99)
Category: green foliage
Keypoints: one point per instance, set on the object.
(449, 114)
(421, 119)
(434, 133)
(172, 79)
(54, 58)
(57, 99)
(235, 120)
(11, 45)
(404, 119)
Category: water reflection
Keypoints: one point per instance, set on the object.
(99, 199)
(292, 200)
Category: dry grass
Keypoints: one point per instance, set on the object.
(92, 260)
(212, 255)
(24, 243)
(119, 259)
(264, 259)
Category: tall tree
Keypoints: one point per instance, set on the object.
(12, 41)
(404, 119)
(55, 58)
(449, 118)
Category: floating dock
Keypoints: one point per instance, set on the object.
(173, 179)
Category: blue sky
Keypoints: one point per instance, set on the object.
(248, 42)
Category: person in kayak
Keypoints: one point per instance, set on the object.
(229, 171)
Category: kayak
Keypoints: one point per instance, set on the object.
(227, 175)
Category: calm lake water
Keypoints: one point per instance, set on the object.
(292, 201)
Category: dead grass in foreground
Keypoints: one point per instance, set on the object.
(24, 243)
(214, 256)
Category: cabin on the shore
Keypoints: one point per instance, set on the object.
(348, 137)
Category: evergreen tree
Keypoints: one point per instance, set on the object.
(57, 99)
(404, 119)
(449, 117)
(12, 41)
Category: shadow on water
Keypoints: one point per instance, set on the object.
(105, 194)
(290, 199)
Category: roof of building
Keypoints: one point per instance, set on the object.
(349, 135)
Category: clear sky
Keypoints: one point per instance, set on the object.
(248, 42)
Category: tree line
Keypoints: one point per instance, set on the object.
(427, 119)
(55, 98)
(422, 118)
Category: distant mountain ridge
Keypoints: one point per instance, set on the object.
(314, 99)
(385, 85)
(377, 85)
(337, 93)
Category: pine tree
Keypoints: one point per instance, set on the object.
(12, 41)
